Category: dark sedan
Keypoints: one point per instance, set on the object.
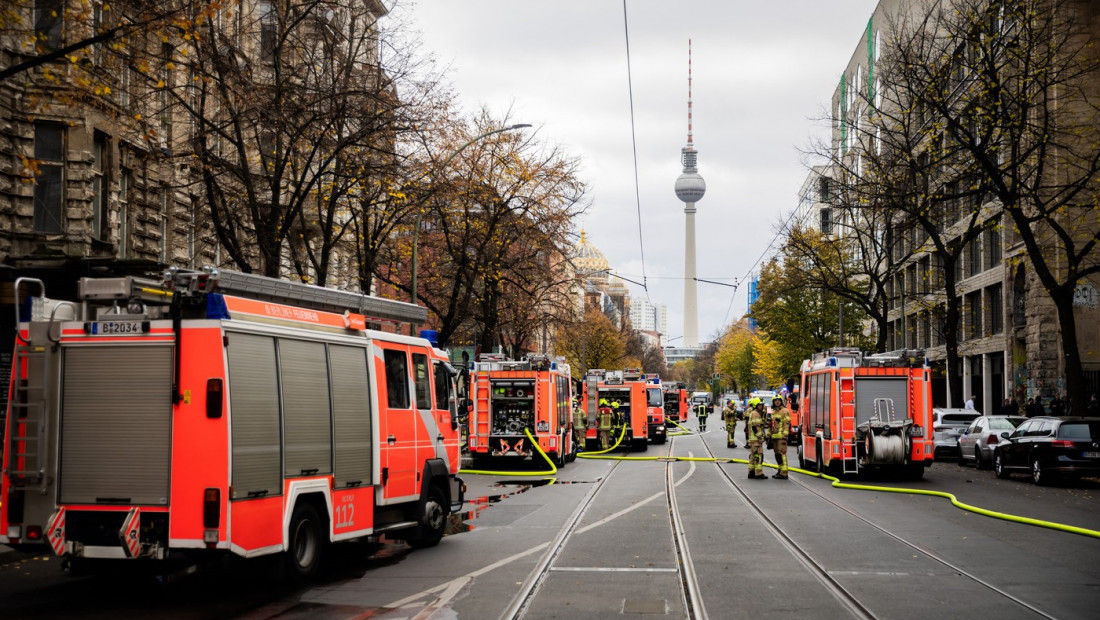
(1048, 447)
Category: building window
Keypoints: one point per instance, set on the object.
(49, 23)
(164, 227)
(268, 30)
(125, 181)
(992, 247)
(994, 309)
(974, 315)
(974, 256)
(824, 189)
(49, 153)
(100, 203)
(826, 221)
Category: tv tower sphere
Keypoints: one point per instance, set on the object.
(690, 186)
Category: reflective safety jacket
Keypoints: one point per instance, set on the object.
(580, 421)
(756, 425)
(781, 423)
(605, 418)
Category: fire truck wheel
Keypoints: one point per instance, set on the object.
(433, 520)
(304, 543)
(640, 445)
(801, 457)
(572, 456)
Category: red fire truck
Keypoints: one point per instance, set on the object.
(511, 396)
(632, 412)
(676, 401)
(224, 411)
(655, 403)
(860, 411)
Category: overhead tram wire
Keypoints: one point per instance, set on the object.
(760, 258)
(634, 147)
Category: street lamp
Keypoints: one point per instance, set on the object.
(420, 212)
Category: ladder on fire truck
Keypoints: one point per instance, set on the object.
(28, 441)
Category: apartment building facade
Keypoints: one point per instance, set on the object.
(1009, 342)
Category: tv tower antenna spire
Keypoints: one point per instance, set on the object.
(690, 188)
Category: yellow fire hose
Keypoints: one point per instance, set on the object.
(836, 483)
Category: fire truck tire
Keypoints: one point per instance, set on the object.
(572, 456)
(304, 543)
(433, 520)
(801, 457)
(639, 445)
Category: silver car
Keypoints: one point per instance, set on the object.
(947, 425)
(984, 433)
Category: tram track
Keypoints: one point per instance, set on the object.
(690, 596)
(831, 584)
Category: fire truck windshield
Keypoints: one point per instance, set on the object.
(653, 395)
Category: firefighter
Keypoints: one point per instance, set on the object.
(780, 429)
(755, 431)
(604, 423)
(580, 424)
(751, 405)
(729, 415)
(702, 411)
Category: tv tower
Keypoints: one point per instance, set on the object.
(690, 187)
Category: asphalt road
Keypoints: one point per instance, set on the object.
(758, 549)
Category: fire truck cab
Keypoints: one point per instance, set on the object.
(207, 412)
(632, 414)
(860, 411)
(511, 396)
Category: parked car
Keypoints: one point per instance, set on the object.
(1048, 447)
(984, 433)
(947, 425)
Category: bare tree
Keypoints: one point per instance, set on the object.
(1013, 84)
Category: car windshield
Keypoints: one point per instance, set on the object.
(1083, 431)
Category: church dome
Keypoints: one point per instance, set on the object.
(588, 259)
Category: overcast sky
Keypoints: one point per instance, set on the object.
(763, 73)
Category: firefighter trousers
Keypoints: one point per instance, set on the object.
(779, 448)
(756, 457)
(605, 438)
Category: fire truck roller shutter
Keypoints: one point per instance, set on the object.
(868, 389)
(307, 422)
(352, 415)
(254, 413)
(116, 417)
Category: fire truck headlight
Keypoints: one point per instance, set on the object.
(15, 531)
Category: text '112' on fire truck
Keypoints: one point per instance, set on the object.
(513, 397)
(220, 412)
(861, 411)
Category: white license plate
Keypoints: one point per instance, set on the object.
(119, 327)
(1091, 455)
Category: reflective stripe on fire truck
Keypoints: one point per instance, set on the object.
(55, 530)
(130, 533)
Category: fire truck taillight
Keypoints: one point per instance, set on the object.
(212, 511)
(214, 398)
(34, 532)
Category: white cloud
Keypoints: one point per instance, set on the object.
(762, 72)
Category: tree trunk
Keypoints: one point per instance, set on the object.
(1076, 389)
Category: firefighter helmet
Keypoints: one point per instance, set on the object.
(777, 399)
(614, 404)
(603, 402)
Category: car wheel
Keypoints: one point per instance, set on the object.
(978, 458)
(999, 465)
(1038, 476)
